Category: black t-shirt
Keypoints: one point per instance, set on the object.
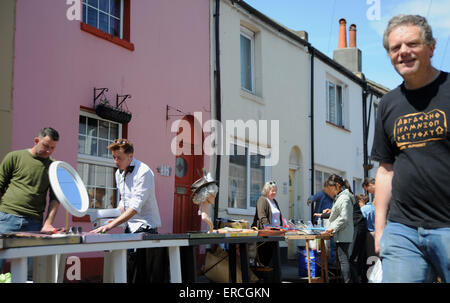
(411, 133)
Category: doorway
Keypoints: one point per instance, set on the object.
(188, 168)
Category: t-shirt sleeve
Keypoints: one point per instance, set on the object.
(6, 169)
(382, 148)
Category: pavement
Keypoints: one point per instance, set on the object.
(289, 274)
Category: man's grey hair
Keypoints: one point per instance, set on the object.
(419, 21)
(48, 131)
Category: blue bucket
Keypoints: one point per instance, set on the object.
(314, 263)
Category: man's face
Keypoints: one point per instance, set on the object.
(408, 52)
(44, 146)
(121, 159)
(370, 188)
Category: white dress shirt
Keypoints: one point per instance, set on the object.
(137, 191)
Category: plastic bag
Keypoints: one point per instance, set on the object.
(5, 278)
(375, 272)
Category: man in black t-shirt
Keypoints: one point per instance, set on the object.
(412, 144)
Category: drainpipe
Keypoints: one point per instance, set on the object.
(218, 105)
(311, 51)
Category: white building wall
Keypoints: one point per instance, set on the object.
(338, 149)
(282, 94)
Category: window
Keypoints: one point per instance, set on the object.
(375, 111)
(246, 178)
(109, 20)
(320, 177)
(95, 164)
(105, 15)
(247, 60)
(335, 104)
(357, 186)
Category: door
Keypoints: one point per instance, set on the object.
(188, 168)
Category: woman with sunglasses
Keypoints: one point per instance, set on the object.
(268, 213)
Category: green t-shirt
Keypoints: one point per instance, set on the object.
(24, 181)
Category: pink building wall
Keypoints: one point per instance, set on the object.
(57, 65)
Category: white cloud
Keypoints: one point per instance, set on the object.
(436, 11)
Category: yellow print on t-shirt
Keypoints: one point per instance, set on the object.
(415, 130)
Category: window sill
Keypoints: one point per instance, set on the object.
(252, 97)
(337, 126)
(108, 37)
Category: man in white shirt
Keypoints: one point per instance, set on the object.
(136, 185)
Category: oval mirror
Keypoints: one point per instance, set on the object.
(68, 187)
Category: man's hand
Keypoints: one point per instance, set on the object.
(102, 229)
(50, 229)
(329, 231)
(326, 211)
(377, 242)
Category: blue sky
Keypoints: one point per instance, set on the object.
(320, 18)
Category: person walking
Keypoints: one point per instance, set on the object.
(412, 146)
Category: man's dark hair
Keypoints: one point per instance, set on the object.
(367, 181)
(48, 131)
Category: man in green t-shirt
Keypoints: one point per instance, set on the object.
(24, 185)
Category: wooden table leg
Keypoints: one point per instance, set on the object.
(276, 260)
(19, 269)
(119, 270)
(307, 259)
(232, 263)
(324, 257)
(188, 264)
(243, 251)
(175, 264)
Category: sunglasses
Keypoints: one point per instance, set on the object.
(120, 141)
(273, 183)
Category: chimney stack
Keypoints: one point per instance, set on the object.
(352, 36)
(351, 57)
(342, 33)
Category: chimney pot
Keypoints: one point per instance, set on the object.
(342, 33)
(352, 36)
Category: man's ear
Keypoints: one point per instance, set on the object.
(36, 140)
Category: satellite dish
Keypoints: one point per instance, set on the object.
(68, 187)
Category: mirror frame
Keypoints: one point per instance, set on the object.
(53, 176)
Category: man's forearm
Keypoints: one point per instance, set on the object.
(383, 193)
(52, 210)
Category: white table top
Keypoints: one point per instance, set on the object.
(20, 252)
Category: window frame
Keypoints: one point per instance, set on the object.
(250, 35)
(99, 161)
(123, 39)
(335, 85)
(252, 150)
(324, 171)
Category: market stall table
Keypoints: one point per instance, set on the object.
(190, 264)
(323, 253)
(19, 248)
